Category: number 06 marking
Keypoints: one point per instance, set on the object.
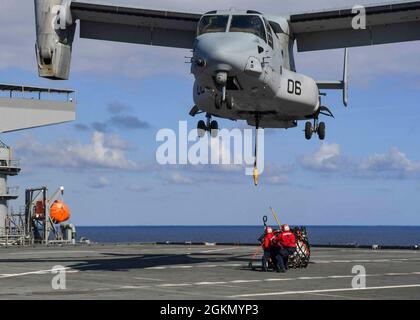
(294, 87)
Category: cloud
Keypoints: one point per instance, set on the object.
(81, 127)
(139, 189)
(119, 120)
(115, 142)
(277, 180)
(177, 178)
(326, 159)
(98, 183)
(275, 174)
(117, 108)
(100, 126)
(196, 175)
(128, 122)
(103, 152)
(393, 165)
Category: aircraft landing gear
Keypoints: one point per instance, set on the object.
(309, 130)
(214, 129)
(211, 126)
(201, 128)
(321, 131)
(317, 127)
(221, 103)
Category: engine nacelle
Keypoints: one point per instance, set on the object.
(55, 31)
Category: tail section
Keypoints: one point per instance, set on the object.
(339, 85)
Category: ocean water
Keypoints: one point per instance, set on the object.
(318, 235)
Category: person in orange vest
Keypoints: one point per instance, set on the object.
(266, 244)
(285, 246)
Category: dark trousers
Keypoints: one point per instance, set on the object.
(266, 256)
(282, 257)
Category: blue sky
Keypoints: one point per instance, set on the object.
(367, 172)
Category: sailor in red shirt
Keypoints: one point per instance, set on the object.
(285, 246)
(266, 244)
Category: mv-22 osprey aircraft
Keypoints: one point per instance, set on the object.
(242, 61)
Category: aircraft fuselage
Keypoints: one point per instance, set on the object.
(241, 71)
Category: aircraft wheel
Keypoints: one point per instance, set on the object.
(308, 131)
(201, 128)
(214, 129)
(321, 131)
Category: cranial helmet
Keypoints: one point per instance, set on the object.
(285, 227)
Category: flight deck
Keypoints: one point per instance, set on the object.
(184, 272)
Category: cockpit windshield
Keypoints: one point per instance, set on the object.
(249, 24)
(214, 23)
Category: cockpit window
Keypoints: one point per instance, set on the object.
(213, 23)
(248, 24)
(269, 34)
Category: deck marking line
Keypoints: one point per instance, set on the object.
(217, 250)
(48, 252)
(38, 272)
(208, 266)
(148, 279)
(208, 283)
(283, 293)
(363, 261)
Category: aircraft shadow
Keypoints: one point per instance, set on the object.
(126, 262)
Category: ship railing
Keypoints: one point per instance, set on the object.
(9, 163)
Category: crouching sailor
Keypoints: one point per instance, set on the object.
(285, 246)
(267, 248)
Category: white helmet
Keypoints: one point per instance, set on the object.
(286, 227)
(269, 230)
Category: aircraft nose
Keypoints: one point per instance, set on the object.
(225, 51)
